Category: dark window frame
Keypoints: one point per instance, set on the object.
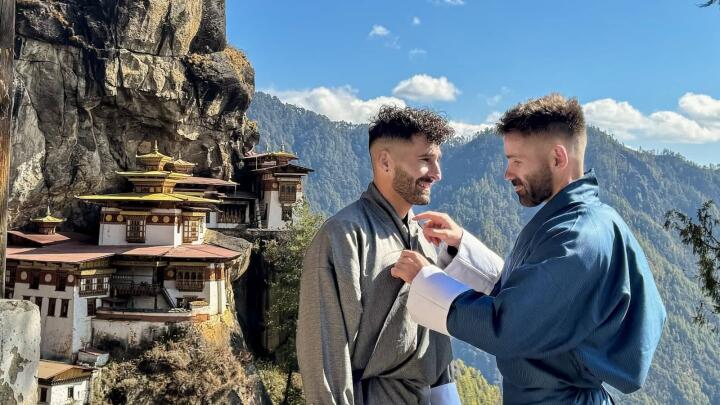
(64, 307)
(34, 280)
(61, 282)
(52, 303)
(135, 230)
(91, 307)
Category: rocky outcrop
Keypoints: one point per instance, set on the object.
(19, 351)
(97, 81)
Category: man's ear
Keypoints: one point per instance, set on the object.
(385, 160)
(560, 157)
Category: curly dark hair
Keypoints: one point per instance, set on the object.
(549, 114)
(402, 123)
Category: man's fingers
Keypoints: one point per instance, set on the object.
(441, 234)
(432, 215)
(399, 273)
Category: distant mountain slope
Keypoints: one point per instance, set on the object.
(640, 185)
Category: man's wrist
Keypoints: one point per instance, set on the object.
(456, 243)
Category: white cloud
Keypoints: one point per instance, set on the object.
(466, 131)
(390, 41)
(416, 20)
(426, 88)
(619, 117)
(493, 118)
(697, 122)
(379, 31)
(417, 53)
(701, 107)
(494, 100)
(338, 104)
(449, 2)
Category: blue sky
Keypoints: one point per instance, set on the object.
(646, 71)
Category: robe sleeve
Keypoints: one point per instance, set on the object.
(474, 265)
(547, 305)
(329, 315)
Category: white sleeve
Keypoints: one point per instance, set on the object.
(474, 264)
(432, 292)
(446, 394)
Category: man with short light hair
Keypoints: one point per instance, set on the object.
(576, 305)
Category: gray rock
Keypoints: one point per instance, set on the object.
(19, 351)
(97, 81)
(211, 36)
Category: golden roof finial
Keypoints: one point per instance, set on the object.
(155, 149)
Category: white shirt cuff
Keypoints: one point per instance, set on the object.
(432, 292)
(474, 265)
(446, 394)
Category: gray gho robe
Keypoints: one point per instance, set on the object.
(356, 343)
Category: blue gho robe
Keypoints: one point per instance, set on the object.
(576, 306)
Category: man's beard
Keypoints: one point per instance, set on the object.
(409, 189)
(537, 189)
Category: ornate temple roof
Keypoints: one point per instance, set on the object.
(48, 219)
(149, 197)
(153, 156)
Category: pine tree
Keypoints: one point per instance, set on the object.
(285, 254)
(706, 246)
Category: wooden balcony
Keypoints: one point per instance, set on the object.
(189, 285)
(100, 289)
(126, 285)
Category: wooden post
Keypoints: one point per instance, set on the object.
(7, 42)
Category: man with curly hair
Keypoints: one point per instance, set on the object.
(576, 306)
(356, 343)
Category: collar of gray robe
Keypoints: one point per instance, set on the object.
(386, 209)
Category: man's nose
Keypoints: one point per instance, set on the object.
(435, 173)
(508, 175)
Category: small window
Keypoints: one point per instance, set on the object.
(61, 282)
(10, 276)
(38, 302)
(135, 230)
(287, 213)
(51, 307)
(26, 297)
(91, 306)
(71, 392)
(288, 193)
(190, 230)
(35, 280)
(64, 304)
(43, 394)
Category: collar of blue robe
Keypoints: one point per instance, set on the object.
(583, 190)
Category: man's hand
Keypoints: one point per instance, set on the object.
(409, 265)
(440, 228)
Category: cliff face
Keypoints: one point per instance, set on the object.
(97, 81)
